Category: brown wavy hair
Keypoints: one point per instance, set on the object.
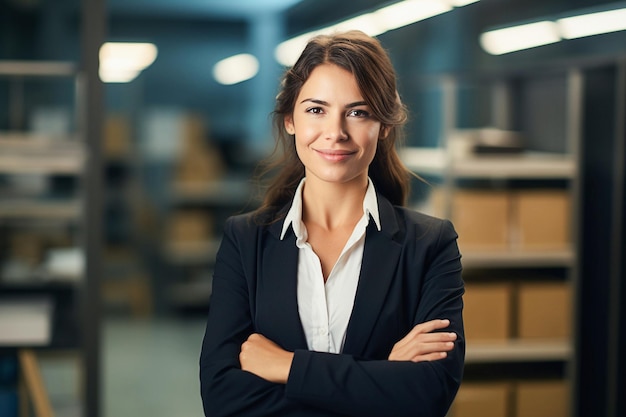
(367, 60)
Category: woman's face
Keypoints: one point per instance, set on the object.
(335, 132)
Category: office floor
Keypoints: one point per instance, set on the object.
(150, 368)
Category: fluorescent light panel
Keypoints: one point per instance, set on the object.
(368, 23)
(410, 11)
(374, 23)
(461, 3)
(124, 61)
(236, 69)
(520, 37)
(117, 76)
(515, 38)
(592, 24)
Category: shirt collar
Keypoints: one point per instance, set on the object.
(294, 215)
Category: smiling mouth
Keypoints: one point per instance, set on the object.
(335, 154)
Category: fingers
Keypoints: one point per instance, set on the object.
(426, 327)
(435, 356)
(436, 347)
(431, 326)
(419, 347)
(422, 353)
(425, 343)
(438, 337)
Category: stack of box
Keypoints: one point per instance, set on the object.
(544, 310)
(501, 220)
(199, 160)
(532, 398)
(523, 310)
(117, 136)
(190, 226)
(501, 310)
(482, 219)
(198, 163)
(27, 248)
(541, 219)
(482, 399)
(487, 312)
(542, 399)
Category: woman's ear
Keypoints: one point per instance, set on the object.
(289, 127)
(384, 132)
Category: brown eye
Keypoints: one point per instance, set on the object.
(358, 113)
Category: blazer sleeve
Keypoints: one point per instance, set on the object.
(226, 390)
(363, 388)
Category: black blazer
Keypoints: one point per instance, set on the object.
(411, 273)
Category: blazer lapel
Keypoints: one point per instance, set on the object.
(277, 288)
(380, 259)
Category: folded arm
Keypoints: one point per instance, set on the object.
(243, 373)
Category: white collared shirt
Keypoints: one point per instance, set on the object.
(325, 309)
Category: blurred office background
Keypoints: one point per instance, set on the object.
(116, 177)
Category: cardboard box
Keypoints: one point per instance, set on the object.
(194, 134)
(190, 226)
(545, 310)
(487, 311)
(117, 136)
(26, 247)
(542, 399)
(481, 218)
(199, 160)
(482, 399)
(200, 167)
(542, 219)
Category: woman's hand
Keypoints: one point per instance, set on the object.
(265, 359)
(424, 344)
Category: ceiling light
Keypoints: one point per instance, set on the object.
(287, 52)
(515, 38)
(410, 11)
(368, 23)
(461, 3)
(375, 23)
(236, 69)
(117, 76)
(592, 24)
(123, 61)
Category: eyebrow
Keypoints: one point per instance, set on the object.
(325, 103)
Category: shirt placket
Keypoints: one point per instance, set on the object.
(320, 332)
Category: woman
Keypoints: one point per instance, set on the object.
(332, 299)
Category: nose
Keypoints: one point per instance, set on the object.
(335, 128)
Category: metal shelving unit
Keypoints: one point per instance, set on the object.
(528, 165)
(75, 324)
(520, 259)
(454, 170)
(519, 351)
(43, 155)
(228, 192)
(191, 261)
(24, 153)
